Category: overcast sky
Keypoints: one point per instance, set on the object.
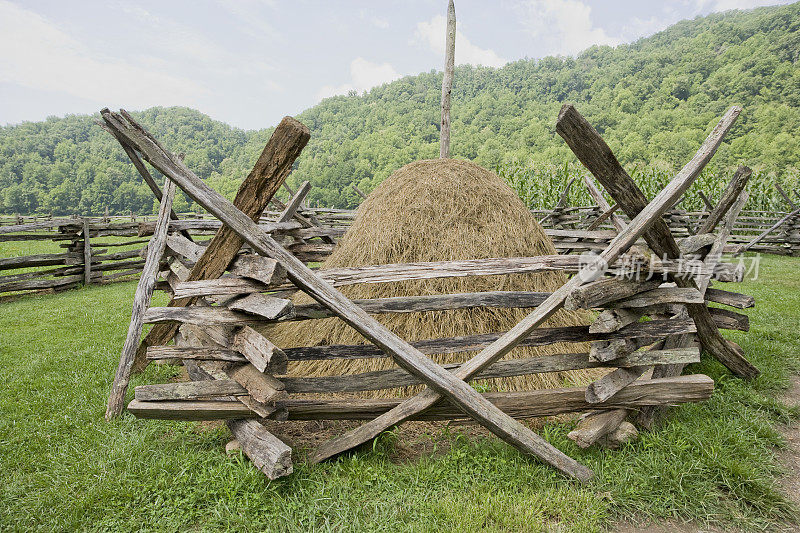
(250, 62)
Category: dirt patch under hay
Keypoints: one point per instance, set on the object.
(413, 440)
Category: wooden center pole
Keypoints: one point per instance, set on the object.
(447, 81)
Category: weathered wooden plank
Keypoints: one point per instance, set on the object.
(605, 290)
(662, 295)
(438, 302)
(526, 404)
(267, 452)
(200, 316)
(263, 269)
(443, 269)
(261, 353)
(694, 243)
(141, 300)
(263, 388)
(224, 285)
(262, 305)
(612, 383)
(727, 319)
(596, 425)
(205, 225)
(731, 299)
(155, 353)
(8, 263)
(189, 390)
(392, 378)
(184, 247)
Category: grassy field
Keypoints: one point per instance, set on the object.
(64, 468)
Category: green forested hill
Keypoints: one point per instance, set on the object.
(653, 101)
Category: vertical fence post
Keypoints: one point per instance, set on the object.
(87, 254)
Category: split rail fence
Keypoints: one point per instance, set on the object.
(652, 319)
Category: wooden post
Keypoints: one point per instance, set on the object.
(291, 207)
(359, 191)
(141, 301)
(447, 81)
(87, 254)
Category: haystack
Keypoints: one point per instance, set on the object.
(439, 210)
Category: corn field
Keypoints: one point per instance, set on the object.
(540, 185)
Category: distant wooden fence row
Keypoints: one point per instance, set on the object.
(115, 244)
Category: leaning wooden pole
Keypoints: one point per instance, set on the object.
(447, 81)
(141, 301)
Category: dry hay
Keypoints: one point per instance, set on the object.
(439, 210)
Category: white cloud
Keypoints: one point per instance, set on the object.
(724, 5)
(35, 53)
(432, 34)
(562, 27)
(364, 75)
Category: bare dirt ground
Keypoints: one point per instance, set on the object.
(790, 458)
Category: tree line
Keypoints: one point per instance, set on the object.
(654, 101)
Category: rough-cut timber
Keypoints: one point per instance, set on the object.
(596, 425)
(257, 349)
(526, 404)
(267, 452)
(141, 300)
(383, 379)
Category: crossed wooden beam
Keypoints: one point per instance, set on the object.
(239, 226)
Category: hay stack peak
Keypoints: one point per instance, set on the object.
(439, 210)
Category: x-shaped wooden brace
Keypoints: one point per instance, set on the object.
(453, 386)
(640, 223)
(439, 379)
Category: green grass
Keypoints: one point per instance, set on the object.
(64, 468)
